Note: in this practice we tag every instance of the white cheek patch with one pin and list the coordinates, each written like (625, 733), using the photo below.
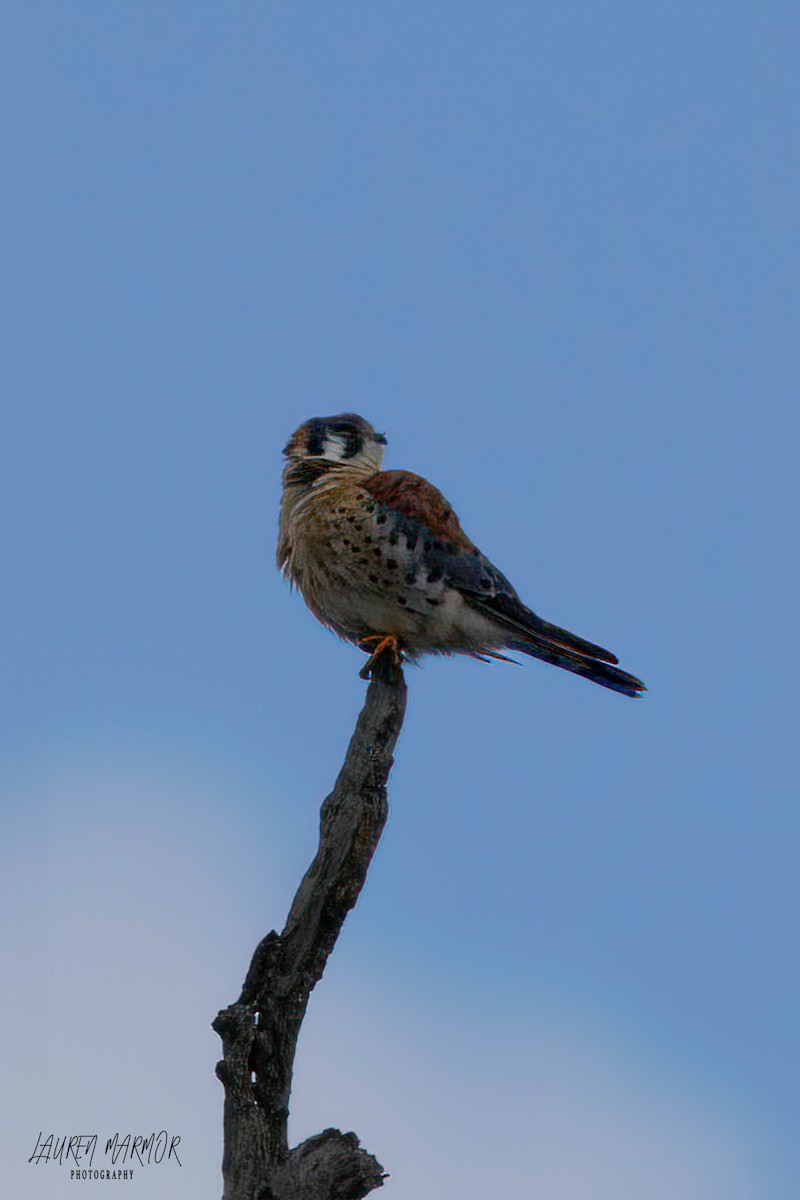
(333, 447)
(337, 448)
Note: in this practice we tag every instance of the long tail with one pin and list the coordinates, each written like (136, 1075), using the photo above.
(529, 634)
(599, 671)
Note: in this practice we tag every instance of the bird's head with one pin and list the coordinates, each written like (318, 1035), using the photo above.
(327, 443)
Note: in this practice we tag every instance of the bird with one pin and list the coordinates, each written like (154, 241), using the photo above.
(381, 559)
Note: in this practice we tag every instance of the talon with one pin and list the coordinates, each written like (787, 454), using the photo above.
(383, 643)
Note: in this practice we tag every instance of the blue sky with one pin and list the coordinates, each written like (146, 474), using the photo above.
(552, 251)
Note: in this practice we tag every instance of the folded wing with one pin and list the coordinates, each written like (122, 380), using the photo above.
(439, 552)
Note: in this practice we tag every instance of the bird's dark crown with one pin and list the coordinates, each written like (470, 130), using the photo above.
(346, 439)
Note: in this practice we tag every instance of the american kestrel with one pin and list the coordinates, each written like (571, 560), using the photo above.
(381, 559)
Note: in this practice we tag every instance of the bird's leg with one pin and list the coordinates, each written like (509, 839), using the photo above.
(383, 643)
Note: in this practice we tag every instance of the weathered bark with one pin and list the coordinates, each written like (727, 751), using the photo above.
(259, 1032)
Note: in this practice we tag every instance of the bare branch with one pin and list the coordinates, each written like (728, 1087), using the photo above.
(259, 1032)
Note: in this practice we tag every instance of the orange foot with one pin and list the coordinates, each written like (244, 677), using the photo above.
(383, 643)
